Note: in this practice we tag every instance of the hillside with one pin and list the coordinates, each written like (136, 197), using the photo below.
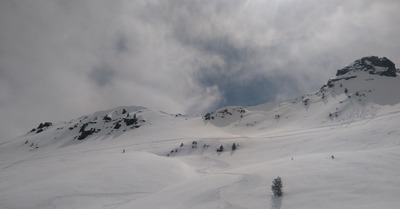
(359, 91)
(338, 147)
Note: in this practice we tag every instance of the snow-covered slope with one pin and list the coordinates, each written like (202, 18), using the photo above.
(359, 91)
(335, 148)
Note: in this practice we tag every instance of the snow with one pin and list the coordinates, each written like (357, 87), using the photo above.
(64, 172)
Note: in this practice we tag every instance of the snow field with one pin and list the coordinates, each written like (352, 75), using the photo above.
(96, 174)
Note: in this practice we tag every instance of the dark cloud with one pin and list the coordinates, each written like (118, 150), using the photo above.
(121, 44)
(102, 75)
(229, 57)
(61, 59)
(256, 91)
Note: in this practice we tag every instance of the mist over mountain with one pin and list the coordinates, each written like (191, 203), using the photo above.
(60, 60)
(337, 147)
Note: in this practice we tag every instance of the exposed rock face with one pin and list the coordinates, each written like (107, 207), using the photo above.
(41, 127)
(225, 113)
(99, 123)
(373, 64)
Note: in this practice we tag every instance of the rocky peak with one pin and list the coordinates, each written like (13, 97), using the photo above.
(373, 64)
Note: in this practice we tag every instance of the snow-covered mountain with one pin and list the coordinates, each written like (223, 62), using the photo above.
(360, 91)
(338, 147)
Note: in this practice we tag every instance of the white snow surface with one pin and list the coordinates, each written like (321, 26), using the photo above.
(295, 140)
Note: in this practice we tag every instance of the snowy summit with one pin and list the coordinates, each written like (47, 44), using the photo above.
(334, 148)
(373, 65)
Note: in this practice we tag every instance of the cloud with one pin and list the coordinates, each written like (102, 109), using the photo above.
(62, 59)
(121, 44)
(102, 75)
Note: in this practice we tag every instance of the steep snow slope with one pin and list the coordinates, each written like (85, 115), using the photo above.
(332, 150)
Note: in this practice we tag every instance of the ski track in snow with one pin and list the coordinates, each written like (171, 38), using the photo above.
(243, 182)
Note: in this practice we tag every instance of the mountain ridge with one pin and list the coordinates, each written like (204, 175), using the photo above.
(353, 94)
(373, 65)
(357, 92)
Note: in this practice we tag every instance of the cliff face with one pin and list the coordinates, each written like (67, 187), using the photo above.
(373, 64)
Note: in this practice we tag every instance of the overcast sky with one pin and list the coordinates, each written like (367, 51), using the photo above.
(60, 59)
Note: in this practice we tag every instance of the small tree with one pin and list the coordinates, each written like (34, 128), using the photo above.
(221, 149)
(277, 187)
(233, 147)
